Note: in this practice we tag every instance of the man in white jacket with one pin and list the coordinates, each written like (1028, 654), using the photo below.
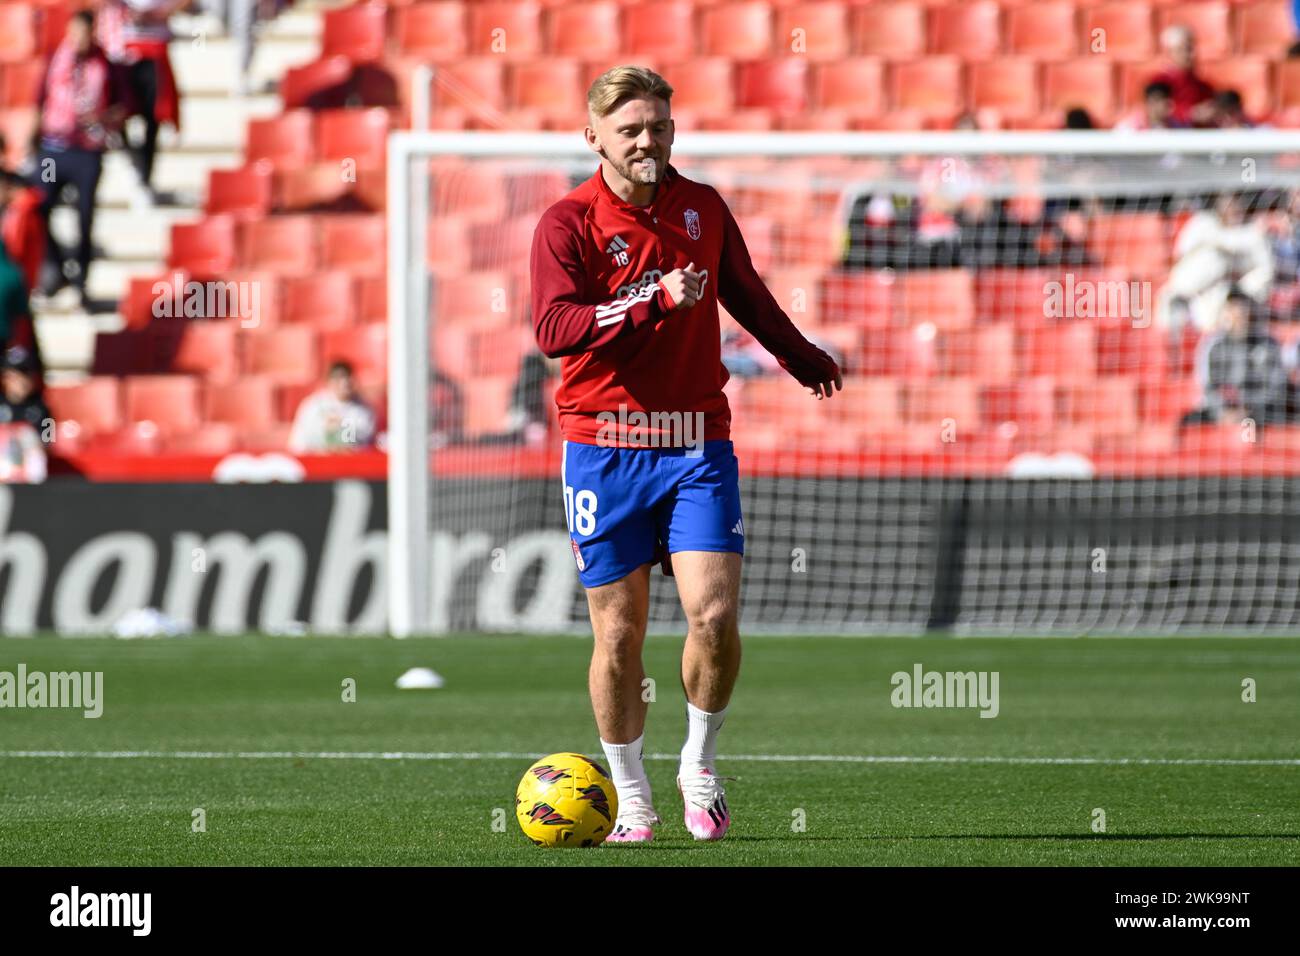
(1217, 249)
(333, 418)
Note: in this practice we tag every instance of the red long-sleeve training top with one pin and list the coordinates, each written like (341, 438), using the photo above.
(597, 300)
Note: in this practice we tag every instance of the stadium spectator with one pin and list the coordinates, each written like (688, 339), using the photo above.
(25, 420)
(154, 95)
(22, 227)
(240, 18)
(1156, 111)
(333, 418)
(77, 103)
(1241, 369)
(1216, 249)
(1078, 118)
(1229, 112)
(16, 327)
(1191, 94)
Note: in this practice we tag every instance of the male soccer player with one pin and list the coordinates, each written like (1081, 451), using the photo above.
(627, 273)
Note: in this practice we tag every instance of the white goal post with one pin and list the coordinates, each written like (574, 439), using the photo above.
(1137, 169)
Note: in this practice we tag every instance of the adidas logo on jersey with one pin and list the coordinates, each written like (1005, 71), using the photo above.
(739, 528)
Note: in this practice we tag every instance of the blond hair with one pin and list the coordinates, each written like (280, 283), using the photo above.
(614, 87)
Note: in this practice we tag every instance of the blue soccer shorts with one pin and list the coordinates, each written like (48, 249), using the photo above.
(631, 506)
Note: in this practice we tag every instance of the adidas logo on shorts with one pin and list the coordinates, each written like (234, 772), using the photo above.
(739, 527)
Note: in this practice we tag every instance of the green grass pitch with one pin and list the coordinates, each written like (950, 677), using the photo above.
(1214, 779)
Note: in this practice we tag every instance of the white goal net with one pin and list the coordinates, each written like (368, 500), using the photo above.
(1069, 403)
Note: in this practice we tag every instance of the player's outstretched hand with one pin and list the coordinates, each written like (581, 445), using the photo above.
(824, 389)
(684, 286)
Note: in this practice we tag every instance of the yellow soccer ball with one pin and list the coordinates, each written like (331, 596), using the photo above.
(566, 800)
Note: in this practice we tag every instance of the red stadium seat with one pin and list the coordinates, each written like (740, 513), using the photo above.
(1123, 349)
(143, 293)
(470, 298)
(552, 86)
(942, 297)
(1209, 21)
(505, 29)
(301, 83)
(987, 353)
(1012, 295)
(171, 402)
(1288, 84)
(356, 32)
(931, 87)
(248, 402)
(285, 245)
(1066, 351)
(970, 30)
(741, 30)
(779, 85)
(365, 347)
(1137, 241)
(1029, 402)
(203, 348)
(664, 31)
(325, 300)
(705, 85)
(95, 405)
(586, 30)
(242, 193)
(824, 30)
(1107, 405)
(858, 298)
(476, 84)
(930, 403)
(1009, 85)
(312, 187)
(892, 31)
(501, 245)
(1047, 30)
(1265, 28)
(488, 413)
(1086, 83)
(855, 85)
(17, 33)
(288, 355)
(215, 439)
(204, 247)
(285, 141)
(1120, 31)
(20, 83)
(357, 135)
(1168, 400)
(1250, 76)
(353, 243)
(433, 32)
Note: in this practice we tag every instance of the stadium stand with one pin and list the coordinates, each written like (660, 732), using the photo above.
(280, 210)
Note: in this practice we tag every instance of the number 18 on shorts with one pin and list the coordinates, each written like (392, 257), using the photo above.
(625, 506)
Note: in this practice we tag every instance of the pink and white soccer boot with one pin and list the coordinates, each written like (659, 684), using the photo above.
(635, 818)
(707, 816)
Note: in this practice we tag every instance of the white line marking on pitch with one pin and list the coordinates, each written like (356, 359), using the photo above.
(754, 758)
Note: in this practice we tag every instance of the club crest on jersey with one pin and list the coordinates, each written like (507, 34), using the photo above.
(692, 223)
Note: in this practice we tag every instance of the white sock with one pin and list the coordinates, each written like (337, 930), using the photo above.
(701, 747)
(627, 770)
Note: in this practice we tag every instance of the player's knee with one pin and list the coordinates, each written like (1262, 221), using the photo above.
(620, 642)
(714, 621)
